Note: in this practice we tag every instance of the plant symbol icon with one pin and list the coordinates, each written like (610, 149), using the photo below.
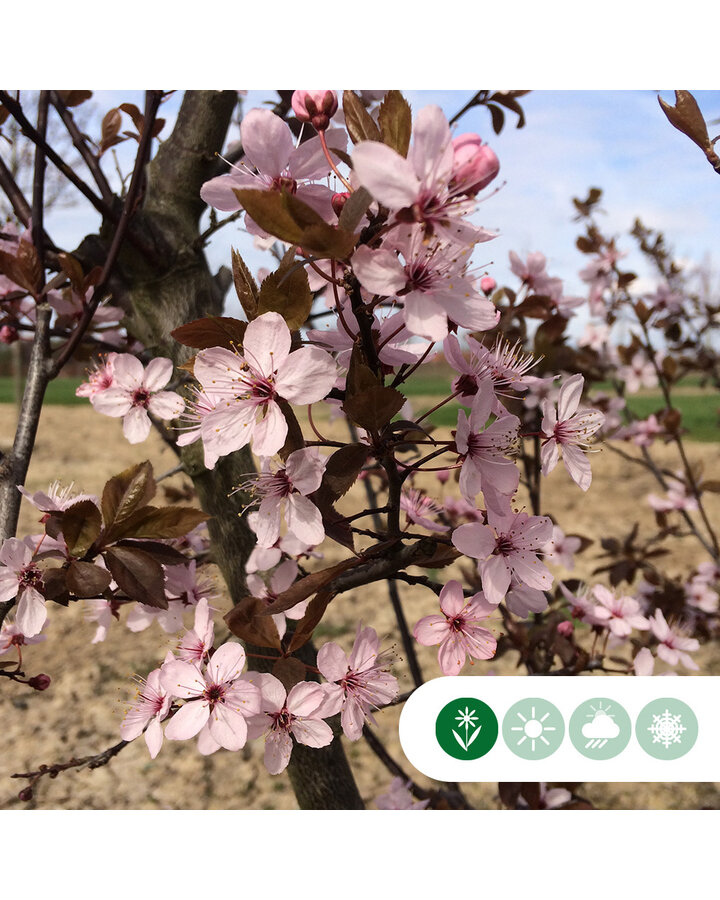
(466, 728)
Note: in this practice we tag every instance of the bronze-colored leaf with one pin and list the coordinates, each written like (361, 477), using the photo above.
(138, 575)
(294, 440)
(358, 121)
(74, 98)
(287, 292)
(368, 403)
(138, 119)
(213, 331)
(163, 553)
(288, 218)
(110, 129)
(85, 579)
(343, 468)
(23, 267)
(81, 525)
(127, 492)
(160, 523)
(395, 118)
(246, 621)
(355, 208)
(245, 286)
(74, 271)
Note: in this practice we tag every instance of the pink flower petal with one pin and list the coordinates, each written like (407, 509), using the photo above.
(267, 141)
(389, 177)
(136, 425)
(312, 732)
(304, 520)
(332, 661)
(278, 748)
(266, 345)
(306, 376)
(188, 720)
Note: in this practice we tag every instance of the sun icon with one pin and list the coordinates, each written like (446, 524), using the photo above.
(533, 728)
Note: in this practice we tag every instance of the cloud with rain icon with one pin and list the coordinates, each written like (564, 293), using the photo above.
(600, 730)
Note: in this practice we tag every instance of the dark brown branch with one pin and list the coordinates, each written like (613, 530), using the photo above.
(81, 146)
(152, 105)
(92, 762)
(20, 206)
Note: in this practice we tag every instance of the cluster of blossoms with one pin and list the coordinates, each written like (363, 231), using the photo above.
(224, 706)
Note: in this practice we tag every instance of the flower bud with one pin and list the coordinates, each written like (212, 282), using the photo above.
(8, 334)
(487, 285)
(338, 202)
(40, 682)
(474, 164)
(25, 794)
(565, 628)
(443, 476)
(316, 107)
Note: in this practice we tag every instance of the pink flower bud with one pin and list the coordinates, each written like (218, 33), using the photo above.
(8, 334)
(443, 476)
(487, 285)
(316, 107)
(565, 628)
(25, 794)
(338, 202)
(40, 682)
(475, 164)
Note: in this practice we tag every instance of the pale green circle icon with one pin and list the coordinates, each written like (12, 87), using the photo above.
(666, 728)
(600, 728)
(533, 728)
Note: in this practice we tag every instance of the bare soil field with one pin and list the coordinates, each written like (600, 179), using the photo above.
(81, 712)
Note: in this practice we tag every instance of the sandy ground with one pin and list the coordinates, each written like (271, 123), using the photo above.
(80, 714)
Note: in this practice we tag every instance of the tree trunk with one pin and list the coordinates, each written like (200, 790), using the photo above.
(180, 288)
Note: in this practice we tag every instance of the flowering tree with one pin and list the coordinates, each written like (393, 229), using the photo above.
(369, 214)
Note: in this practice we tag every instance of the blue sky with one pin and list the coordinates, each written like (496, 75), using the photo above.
(617, 140)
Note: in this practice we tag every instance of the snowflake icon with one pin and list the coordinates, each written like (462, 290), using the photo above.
(667, 729)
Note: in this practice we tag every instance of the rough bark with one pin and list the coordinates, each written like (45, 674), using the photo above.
(178, 287)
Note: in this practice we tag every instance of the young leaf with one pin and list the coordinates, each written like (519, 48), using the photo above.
(395, 120)
(287, 291)
(309, 622)
(81, 525)
(138, 575)
(127, 492)
(246, 621)
(369, 404)
(284, 216)
(245, 286)
(85, 579)
(160, 523)
(358, 121)
(213, 331)
(343, 468)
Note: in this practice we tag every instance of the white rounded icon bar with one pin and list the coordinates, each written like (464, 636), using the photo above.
(699, 762)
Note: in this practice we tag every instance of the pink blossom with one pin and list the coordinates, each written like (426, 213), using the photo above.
(457, 630)
(100, 377)
(487, 285)
(8, 334)
(250, 383)
(20, 577)
(284, 494)
(625, 612)
(561, 549)
(565, 628)
(151, 706)
(475, 165)
(431, 279)
(639, 373)
(269, 148)
(674, 644)
(643, 432)
(103, 612)
(186, 583)
(504, 366)
(521, 600)
(11, 635)
(418, 507)
(220, 699)
(316, 107)
(676, 497)
(197, 643)
(363, 678)
(570, 430)
(419, 188)
(298, 714)
(137, 391)
(485, 449)
(595, 336)
(507, 546)
(644, 662)
(533, 274)
(399, 797)
(584, 608)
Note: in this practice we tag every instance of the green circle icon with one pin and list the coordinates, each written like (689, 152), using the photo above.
(666, 728)
(533, 728)
(466, 728)
(600, 728)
